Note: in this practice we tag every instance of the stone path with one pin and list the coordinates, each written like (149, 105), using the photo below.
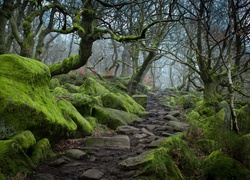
(118, 155)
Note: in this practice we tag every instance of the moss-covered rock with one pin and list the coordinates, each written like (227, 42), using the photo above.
(113, 118)
(122, 102)
(92, 87)
(54, 82)
(243, 115)
(26, 101)
(158, 165)
(25, 139)
(13, 159)
(41, 151)
(82, 102)
(141, 99)
(188, 100)
(220, 166)
(70, 113)
(72, 88)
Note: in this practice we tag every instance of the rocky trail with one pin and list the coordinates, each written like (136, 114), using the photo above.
(115, 155)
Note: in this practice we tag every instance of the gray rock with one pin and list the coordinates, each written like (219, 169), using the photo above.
(75, 153)
(91, 174)
(60, 161)
(171, 118)
(174, 113)
(150, 127)
(178, 126)
(113, 142)
(127, 129)
(147, 132)
(44, 177)
(156, 143)
(135, 162)
(140, 136)
(166, 134)
(162, 128)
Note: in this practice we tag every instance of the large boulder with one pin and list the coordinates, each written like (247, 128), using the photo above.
(220, 166)
(114, 118)
(26, 102)
(122, 102)
(92, 87)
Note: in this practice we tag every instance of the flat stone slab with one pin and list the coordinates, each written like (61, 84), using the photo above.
(75, 153)
(113, 142)
(128, 129)
(91, 174)
(179, 126)
(171, 118)
(135, 162)
(174, 113)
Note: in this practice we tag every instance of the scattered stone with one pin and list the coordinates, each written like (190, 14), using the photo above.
(174, 113)
(166, 134)
(135, 162)
(128, 129)
(140, 136)
(170, 118)
(150, 127)
(179, 126)
(156, 143)
(44, 177)
(147, 132)
(162, 128)
(58, 162)
(75, 153)
(113, 142)
(91, 174)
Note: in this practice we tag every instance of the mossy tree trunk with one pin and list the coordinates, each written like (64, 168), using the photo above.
(136, 78)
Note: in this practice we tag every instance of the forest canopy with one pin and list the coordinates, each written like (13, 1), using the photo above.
(198, 44)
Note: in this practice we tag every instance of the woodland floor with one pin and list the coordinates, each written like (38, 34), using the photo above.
(102, 162)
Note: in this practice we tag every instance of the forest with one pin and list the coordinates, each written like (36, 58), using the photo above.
(67, 65)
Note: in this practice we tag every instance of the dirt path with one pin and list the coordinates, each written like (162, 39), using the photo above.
(102, 160)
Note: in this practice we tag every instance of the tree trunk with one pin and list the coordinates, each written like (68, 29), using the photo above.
(136, 78)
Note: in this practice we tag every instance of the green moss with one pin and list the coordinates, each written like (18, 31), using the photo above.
(26, 102)
(122, 102)
(141, 99)
(25, 139)
(188, 101)
(42, 151)
(72, 88)
(82, 102)
(2, 177)
(70, 113)
(113, 118)
(212, 125)
(243, 115)
(54, 82)
(159, 166)
(182, 155)
(220, 166)
(12, 158)
(92, 87)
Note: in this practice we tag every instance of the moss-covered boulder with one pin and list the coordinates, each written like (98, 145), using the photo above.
(13, 159)
(92, 87)
(141, 99)
(220, 166)
(82, 102)
(53, 83)
(114, 118)
(25, 139)
(41, 151)
(26, 101)
(122, 102)
(204, 116)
